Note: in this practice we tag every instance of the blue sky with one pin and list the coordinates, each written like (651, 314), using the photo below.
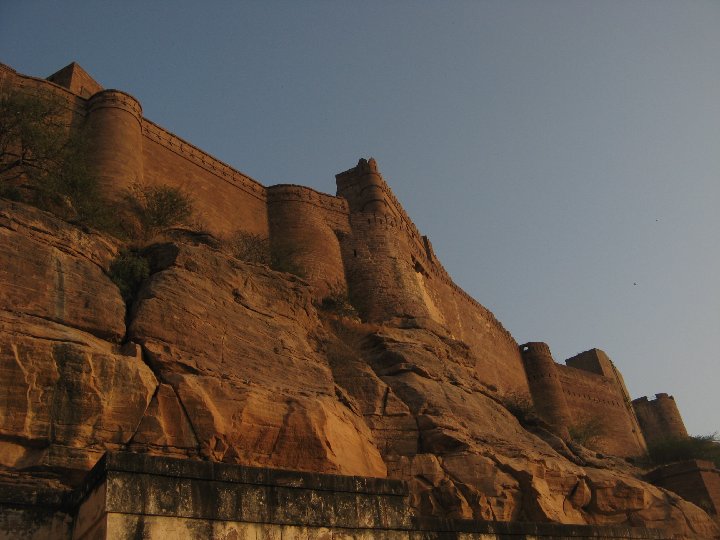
(562, 156)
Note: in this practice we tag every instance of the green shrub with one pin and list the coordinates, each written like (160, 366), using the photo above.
(674, 449)
(250, 247)
(128, 271)
(43, 160)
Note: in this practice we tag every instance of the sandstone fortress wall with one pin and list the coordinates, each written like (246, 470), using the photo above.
(361, 243)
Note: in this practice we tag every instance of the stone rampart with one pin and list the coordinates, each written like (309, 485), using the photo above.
(360, 242)
(225, 199)
(545, 386)
(599, 411)
(363, 234)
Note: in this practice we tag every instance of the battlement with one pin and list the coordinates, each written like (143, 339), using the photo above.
(587, 391)
(116, 99)
(188, 151)
(293, 192)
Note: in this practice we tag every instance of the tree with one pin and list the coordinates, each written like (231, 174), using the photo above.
(158, 208)
(43, 158)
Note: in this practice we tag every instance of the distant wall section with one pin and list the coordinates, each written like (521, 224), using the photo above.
(586, 397)
(659, 418)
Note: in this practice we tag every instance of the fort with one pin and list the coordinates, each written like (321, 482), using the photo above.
(361, 244)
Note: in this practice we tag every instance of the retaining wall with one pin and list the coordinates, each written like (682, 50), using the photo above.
(128, 496)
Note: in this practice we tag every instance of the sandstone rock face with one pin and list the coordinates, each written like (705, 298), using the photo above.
(65, 393)
(466, 456)
(240, 346)
(229, 361)
(54, 271)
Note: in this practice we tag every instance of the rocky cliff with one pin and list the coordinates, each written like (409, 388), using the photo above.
(222, 360)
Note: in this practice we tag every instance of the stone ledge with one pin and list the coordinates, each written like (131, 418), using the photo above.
(515, 529)
(224, 472)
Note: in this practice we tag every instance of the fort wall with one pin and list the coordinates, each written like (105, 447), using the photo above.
(596, 404)
(614, 407)
(659, 418)
(225, 199)
(114, 122)
(360, 242)
(545, 386)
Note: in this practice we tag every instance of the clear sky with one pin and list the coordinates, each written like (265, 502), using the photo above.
(562, 156)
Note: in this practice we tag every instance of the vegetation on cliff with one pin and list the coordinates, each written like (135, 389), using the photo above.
(44, 162)
(675, 449)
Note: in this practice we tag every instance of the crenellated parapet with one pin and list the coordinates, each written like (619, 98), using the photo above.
(188, 151)
(116, 99)
(280, 193)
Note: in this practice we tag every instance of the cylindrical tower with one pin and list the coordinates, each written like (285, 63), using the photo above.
(302, 238)
(545, 386)
(382, 268)
(659, 419)
(114, 122)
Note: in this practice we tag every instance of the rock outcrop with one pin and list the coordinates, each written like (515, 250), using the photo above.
(229, 361)
(69, 388)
